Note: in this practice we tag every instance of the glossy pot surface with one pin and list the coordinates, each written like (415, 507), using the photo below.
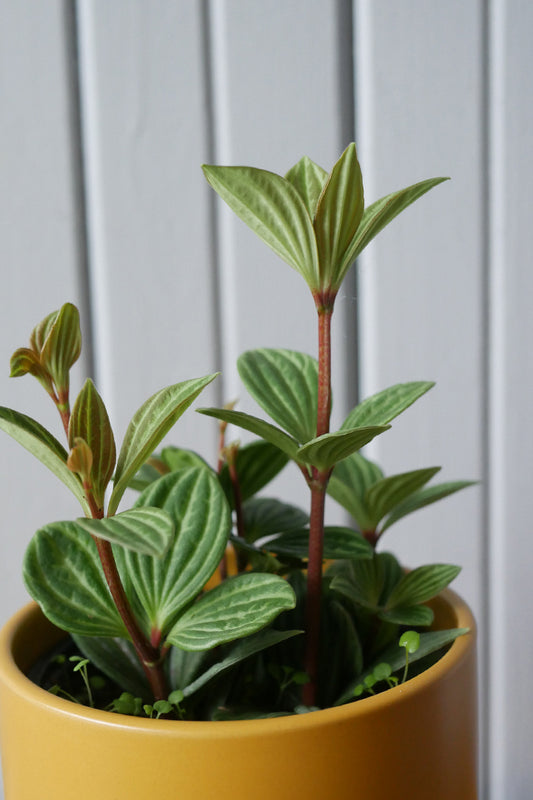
(417, 740)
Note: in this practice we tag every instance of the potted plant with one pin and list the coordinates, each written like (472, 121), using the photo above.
(247, 646)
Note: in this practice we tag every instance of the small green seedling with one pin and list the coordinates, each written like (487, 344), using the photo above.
(411, 641)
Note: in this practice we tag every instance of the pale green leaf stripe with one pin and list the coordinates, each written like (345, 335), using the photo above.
(383, 211)
(148, 426)
(383, 496)
(337, 219)
(348, 483)
(236, 608)
(274, 210)
(308, 179)
(424, 497)
(383, 407)
(327, 450)
(62, 572)
(143, 530)
(430, 642)
(62, 346)
(197, 505)
(40, 443)
(241, 651)
(421, 584)
(265, 430)
(285, 384)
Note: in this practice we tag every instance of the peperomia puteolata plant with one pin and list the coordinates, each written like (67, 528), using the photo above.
(145, 593)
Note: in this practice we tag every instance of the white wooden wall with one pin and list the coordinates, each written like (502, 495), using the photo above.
(108, 109)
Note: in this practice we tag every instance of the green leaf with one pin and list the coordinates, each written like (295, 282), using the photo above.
(196, 503)
(348, 485)
(383, 211)
(143, 530)
(117, 659)
(339, 542)
(424, 497)
(421, 584)
(62, 346)
(308, 179)
(89, 421)
(338, 214)
(176, 458)
(235, 608)
(285, 384)
(408, 615)
(274, 210)
(40, 443)
(25, 361)
(62, 572)
(265, 430)
(256, 463)
(387, 493)
(383, 407)
(327, 450)
(363, 584)
(149, 425)
(265, 516)
(238, 653)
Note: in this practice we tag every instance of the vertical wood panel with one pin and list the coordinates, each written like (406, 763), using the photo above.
(41, 263)
(511, 431)
(280, 93)
(146, 135)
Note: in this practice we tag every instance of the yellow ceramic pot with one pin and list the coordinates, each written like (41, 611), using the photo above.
(417, 740)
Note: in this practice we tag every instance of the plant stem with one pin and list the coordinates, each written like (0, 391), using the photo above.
(324, 304)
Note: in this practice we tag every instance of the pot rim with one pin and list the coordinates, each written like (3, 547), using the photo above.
(13, 677)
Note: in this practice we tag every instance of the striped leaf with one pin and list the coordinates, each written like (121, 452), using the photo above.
(274, 210)
(143, 530)
(265, 516)
(40, 443)
(383, 407)
(338, 214)
(339, 542)
(149, 425)
(233, 609)
(308, 179)
(421, 585)
(348, 485)
(412, 616)
(383, 211)
(285, 384)
(327, 450)
(62, 572)
(424, 497)
(62, 346)
(89, 421)
(265, 430)
(195, 502)
(387, 493)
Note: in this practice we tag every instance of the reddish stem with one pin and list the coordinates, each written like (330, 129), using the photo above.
(324, 304)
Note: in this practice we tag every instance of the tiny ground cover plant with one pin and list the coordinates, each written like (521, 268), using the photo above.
(208, 599)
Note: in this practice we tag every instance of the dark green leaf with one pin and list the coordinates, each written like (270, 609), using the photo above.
(337, 218)
(308, 179)
(408, 615)
(143, 530)
(62, 572)
(149, 425)
(421, 584)
(383, 407)
(256, 464)
(235, 608)
(274, 210)
(40, 443)
(348, 485)
(117, 659)
(285, 384)
(387, 493)
(339, 542)
(265, 516)
(424, 497)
